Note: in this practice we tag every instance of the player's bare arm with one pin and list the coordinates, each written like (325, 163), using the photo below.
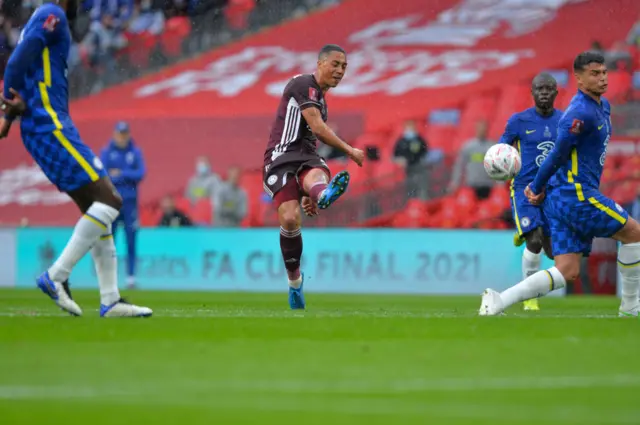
(314, 119)
(533, 198)
(15, 106)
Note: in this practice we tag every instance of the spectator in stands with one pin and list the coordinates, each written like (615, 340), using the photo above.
(204, 183)
(329, 152)
(410, 152)
(596, 46)
(469, 167)
(148, 17)
(633, 38)
(618, 57)
(10, 17)
(109, 20)
(230, 201)
(171, 216)
(125, 164)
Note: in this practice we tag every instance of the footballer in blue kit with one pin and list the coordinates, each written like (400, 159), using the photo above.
(36, 90)
(576, 210)
(533, 133)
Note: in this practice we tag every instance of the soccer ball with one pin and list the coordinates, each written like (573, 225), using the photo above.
(502, 162)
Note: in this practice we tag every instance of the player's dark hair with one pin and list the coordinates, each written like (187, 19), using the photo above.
(585, 58)
(544, 76)
(328, 48)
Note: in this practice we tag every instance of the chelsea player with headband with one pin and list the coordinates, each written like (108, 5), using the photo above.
(576, 210)
(36, 89)
(533, 133)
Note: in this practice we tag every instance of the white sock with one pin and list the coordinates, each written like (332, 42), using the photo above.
(106, 262)
(530, 263)
(536, 285)
(295, 284)
(87, 231)
(629, 267)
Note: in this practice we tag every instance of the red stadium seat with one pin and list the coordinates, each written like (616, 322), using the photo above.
(183, 204)
(139, 49)
(478, 108)
(150, 216)
(619, 86)
(441, 137)
(465, 200)
(202, 212)
(175, 32)
(237, 12)
(513, 98)
(413, 216)
(251, 182)
(499, 199)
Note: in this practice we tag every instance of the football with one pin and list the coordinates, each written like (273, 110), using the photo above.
(502, 162)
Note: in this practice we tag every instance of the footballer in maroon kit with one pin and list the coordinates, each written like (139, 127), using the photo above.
(294, 174)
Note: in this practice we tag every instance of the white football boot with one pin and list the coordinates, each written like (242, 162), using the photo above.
(57, 293)
(491, 304)
(122, 308)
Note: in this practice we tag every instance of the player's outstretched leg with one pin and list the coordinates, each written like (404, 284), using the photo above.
(537, 285)
(291, 247)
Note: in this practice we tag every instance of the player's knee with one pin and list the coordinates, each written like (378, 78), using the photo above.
(535, 241)
(290, 217)
(570, 270)
(534, 245)
(630, 233)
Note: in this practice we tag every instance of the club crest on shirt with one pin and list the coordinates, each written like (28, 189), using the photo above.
(50, 23)
(313, 94)
(576, 126)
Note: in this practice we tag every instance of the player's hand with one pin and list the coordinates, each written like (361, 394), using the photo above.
(5, 126)
(357, 156)
(533, 198)
(15, 106)
(309, 207)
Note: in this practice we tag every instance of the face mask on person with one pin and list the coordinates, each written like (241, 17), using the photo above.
(410, 134)
(202, 168)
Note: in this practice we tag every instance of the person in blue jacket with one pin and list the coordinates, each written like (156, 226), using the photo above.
(125, 164)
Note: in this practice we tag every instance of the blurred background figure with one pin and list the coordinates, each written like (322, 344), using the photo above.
(469, 167)
(204, 183)
(171, 216)
(411, 152)
(125, 164)
(230, 201)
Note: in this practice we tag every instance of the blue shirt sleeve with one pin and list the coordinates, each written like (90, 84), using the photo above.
(136, 174)
(43, 28)
(572, 126)
(510, 134)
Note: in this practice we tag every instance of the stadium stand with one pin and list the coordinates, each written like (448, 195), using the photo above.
(202, 102)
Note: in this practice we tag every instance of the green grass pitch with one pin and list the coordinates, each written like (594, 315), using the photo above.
(229, 358)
